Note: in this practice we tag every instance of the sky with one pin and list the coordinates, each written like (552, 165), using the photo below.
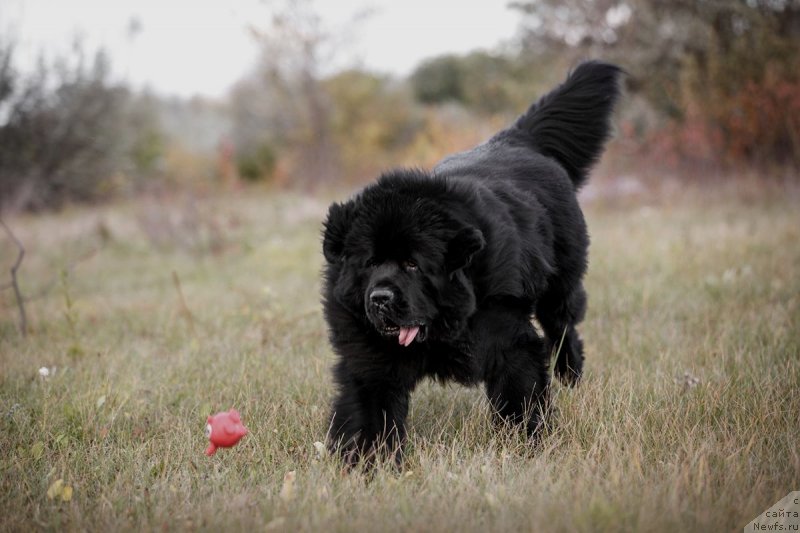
(201, 47)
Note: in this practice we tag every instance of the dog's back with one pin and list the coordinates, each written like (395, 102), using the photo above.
(569, 125)
(533, 169)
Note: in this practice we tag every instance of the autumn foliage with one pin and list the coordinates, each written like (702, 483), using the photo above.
(710, 86)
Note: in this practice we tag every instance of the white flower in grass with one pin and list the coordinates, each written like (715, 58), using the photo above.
(320, 449)
(47, 373)
(688, 381)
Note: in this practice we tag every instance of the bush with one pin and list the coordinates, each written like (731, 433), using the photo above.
(69, 134)
(259, 164)
(723, 77)
(439, 80)
(372, 120)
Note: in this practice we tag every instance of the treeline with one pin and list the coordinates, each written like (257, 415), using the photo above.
(68, 134)
(711, 83)
(717, 82)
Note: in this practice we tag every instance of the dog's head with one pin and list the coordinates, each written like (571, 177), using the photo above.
(397, 256)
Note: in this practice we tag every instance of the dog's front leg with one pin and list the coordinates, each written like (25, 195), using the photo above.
(514, 364)
(367, 420)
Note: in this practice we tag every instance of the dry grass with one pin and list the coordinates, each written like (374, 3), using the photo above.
(688, 418)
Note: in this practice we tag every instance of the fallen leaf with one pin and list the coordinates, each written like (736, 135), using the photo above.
(287, 491)
(66, 493)
(101, 401)
(275, 523)
(37, 450)
(55, 489)
(491, 499)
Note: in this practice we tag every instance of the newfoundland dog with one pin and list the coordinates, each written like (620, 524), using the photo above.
(439, 273)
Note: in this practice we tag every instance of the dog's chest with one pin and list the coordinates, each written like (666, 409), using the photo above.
(447, 362)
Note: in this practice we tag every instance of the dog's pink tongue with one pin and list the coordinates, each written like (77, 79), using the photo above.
(407, 335)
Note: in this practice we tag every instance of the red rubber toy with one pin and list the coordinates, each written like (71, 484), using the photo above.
(224, 430)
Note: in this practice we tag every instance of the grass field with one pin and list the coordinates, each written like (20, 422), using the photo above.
(155, 314)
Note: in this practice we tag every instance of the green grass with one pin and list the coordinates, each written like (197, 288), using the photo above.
(708, 289)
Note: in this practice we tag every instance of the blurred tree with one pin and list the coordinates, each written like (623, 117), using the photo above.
(258, 163)
(67, 133)
(488, 83)
(259, 123)
(702, 64)
(283, 106)
(7, 74)
(439, 80)
(59, 143)
(143, 137)
(373, 118)
(742, 83)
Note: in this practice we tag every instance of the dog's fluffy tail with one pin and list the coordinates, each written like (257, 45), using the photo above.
(572, 122)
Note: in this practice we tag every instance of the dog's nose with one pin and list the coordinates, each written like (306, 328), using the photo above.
(381, 297)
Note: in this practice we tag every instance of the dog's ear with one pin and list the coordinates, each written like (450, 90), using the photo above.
(466, 243)
(337, 225)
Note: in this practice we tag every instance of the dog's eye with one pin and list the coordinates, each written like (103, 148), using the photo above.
(409, 266)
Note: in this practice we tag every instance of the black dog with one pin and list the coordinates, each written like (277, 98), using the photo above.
(439, 274)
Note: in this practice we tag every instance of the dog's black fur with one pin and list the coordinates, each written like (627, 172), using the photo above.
(439, 273)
